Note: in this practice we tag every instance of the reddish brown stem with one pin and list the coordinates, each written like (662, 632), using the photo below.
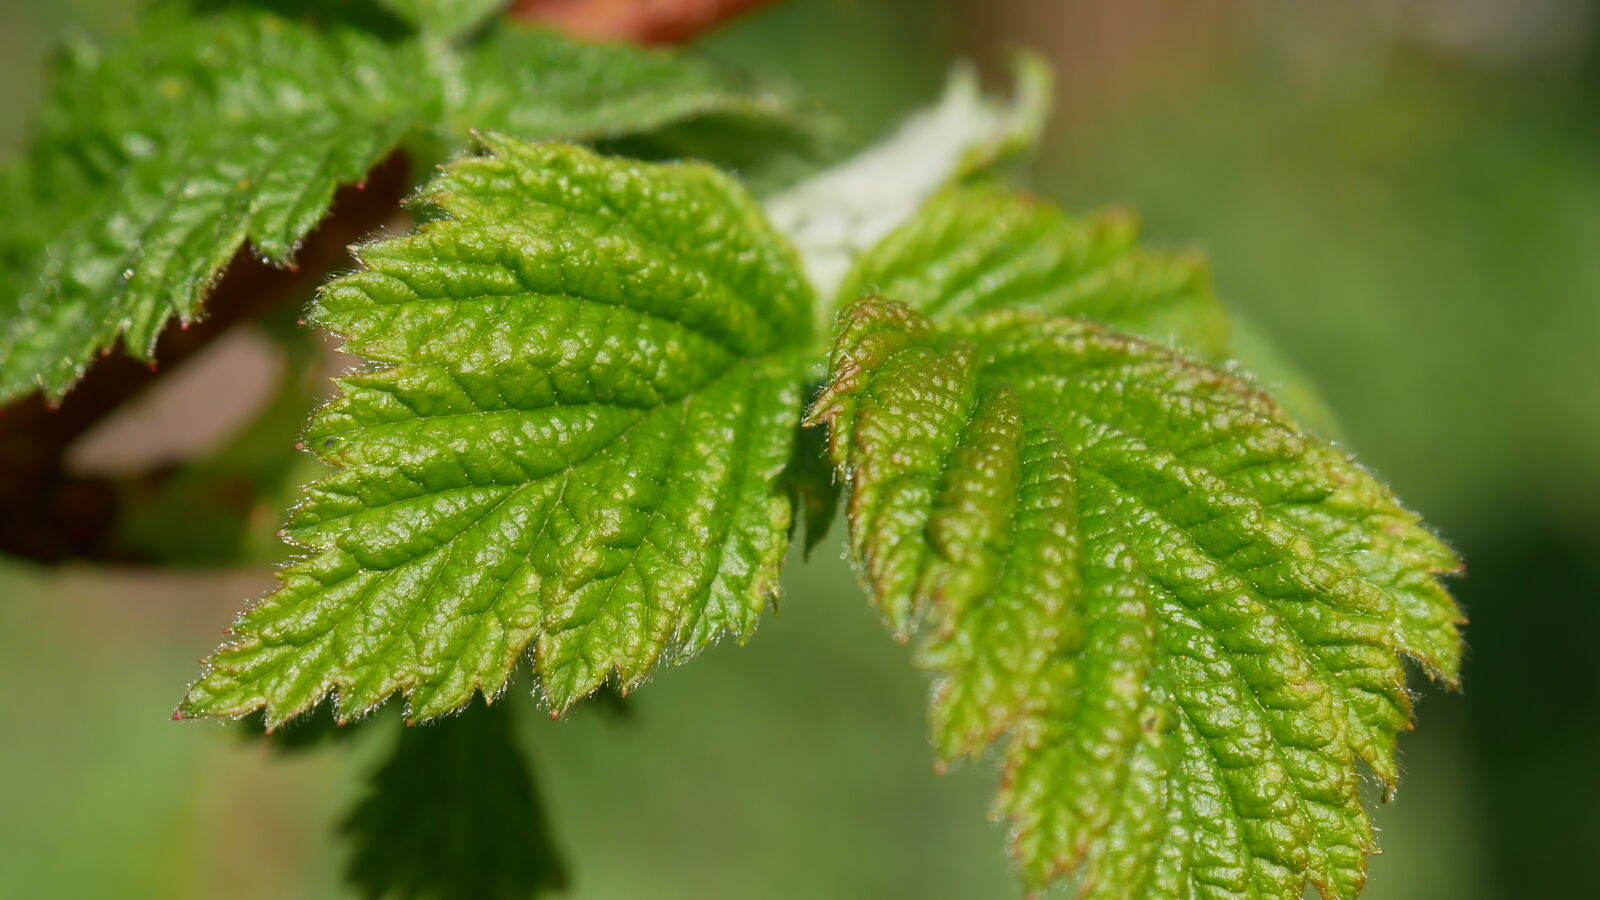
(640, 21)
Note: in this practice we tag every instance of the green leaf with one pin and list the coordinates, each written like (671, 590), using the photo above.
(453, 814)
(574, 438)
(444, 18)
(160, 157)
(536, 84)
(1259, 355)
(981, 247)
(163, 156)
(839, 213)
(767, 154)
(1183, 615)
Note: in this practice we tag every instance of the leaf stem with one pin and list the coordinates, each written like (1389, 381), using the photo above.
(639, 21)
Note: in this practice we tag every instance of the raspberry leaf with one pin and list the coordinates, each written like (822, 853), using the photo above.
(537, 84)
(984, 246)
(839, 213)
(573, 439)
(980, 246)
(1181, 615)
(161, 157)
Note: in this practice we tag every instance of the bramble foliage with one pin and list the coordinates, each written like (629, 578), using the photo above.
(162, 156)
(1176, 612)
(585, 396)
(1185, 613)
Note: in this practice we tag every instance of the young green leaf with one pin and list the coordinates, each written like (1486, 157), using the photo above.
(839, 213)
(979, 247)
(161, 157)
(982, 246)
(585, 393)
(1184, 614)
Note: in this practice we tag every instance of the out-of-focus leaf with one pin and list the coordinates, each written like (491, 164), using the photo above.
(453, 814)
(208, 130)
(839, 213)
(444, 18)
(1261, 357)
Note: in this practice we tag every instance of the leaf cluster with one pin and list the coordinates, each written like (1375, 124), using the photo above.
(597, 396)
(210, 130)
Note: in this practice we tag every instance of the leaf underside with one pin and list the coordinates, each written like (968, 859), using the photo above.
(573, 440)
(1181, 615)
(160, 158)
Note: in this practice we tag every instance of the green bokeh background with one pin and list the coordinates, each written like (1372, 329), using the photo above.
(1405, 194)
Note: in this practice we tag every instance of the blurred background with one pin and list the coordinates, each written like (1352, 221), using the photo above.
(1404, 193)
